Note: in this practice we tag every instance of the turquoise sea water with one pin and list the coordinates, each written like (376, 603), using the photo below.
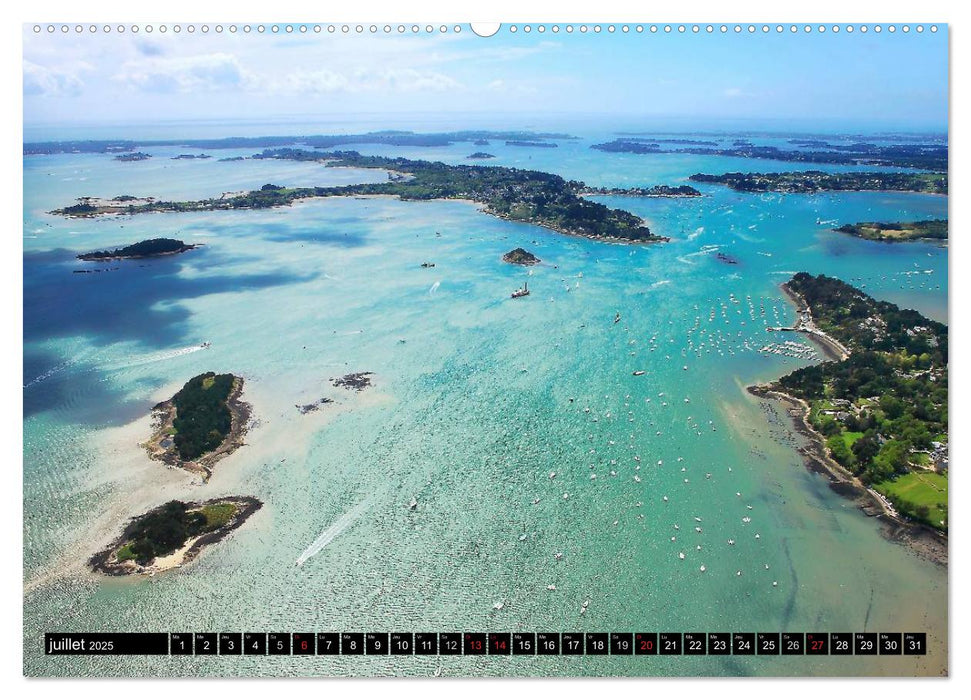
(478, 398)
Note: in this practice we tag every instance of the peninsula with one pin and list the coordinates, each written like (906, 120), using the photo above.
(932, 229)
(527, 196)
(202, 423)
(172, 535)
(811, 181)
(879, 414)
(152, 248)
(655, 191)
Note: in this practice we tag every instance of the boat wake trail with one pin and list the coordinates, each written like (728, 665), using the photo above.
(335, 529)
(434, 288)
(154, 357)
(57, 369)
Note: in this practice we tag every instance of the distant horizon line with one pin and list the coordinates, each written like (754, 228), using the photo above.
(616, 128)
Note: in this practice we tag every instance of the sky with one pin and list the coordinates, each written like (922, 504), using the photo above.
(886, 81)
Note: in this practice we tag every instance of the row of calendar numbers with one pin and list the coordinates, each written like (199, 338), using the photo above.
(550, 643)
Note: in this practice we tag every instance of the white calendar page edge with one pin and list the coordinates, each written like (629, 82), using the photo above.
(708, 11)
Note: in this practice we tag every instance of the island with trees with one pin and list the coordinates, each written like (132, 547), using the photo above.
(628, 146)
(527, 196)
(480, 155)
(202, 423)
(929, 230)
(152, 248)
(172, 535)
(880, 413)
(133, 157)
(635, 136)
(812, 181)
(923, 156)
(532, 143)
(520, 256)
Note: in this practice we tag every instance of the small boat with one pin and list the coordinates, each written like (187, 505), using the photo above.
(414, 503)
(638, 373)
(521, 292)
(617, 318)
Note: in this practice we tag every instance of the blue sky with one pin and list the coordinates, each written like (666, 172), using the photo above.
(885, 80)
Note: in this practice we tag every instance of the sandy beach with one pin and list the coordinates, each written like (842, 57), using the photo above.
(833, 349)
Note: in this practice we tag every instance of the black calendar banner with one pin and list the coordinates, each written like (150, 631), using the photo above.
(485, 643)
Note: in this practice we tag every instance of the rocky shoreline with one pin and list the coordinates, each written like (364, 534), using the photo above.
(922, 540)
(163, 415)
(106, 561)
(355, 381)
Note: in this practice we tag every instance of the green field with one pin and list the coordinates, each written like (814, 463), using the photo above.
(913, 492)
(849, 437)
(218, 514)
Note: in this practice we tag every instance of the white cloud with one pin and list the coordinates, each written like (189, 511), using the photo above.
(207, 72)
(407, 80)
(361, 80)
(320, 81)
(52, 80)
